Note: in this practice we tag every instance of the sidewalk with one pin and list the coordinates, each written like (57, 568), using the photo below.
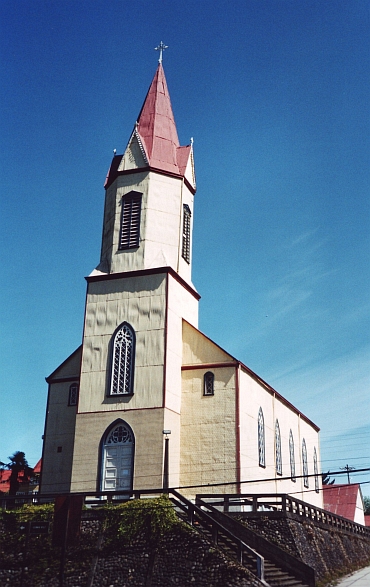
(358, 579)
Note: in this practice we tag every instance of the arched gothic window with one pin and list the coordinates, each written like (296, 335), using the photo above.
(315, 470)
(279, 466)
(209, 380)
(117, 457)
(304, 464)
(291, 456)
(261, 440)
(123, 359)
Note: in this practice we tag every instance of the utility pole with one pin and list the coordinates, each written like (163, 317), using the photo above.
(348, 469)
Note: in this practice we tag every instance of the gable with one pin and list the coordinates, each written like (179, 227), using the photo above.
(70, 368)
(134, 156)
(343, 500)
(198, 349)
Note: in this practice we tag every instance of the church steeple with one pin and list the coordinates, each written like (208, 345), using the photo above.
(156, 126)
(150, 189)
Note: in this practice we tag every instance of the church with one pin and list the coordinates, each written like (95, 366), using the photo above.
(148, 400)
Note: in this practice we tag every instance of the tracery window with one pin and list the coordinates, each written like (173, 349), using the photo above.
(278, 462)
(315, 470)
(186, 221)
(261, 440)
(123, 358)
(209, 380)
(304, 464)
(291, 456)
(73, 394)
(120, 435)
(130, 221)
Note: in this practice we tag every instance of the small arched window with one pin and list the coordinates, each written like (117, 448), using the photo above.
(209, 380)
(278, 462)
(73, 394)
(304, 464)
(291, 456)
(123, 358)
(261, 439)
(315, 470)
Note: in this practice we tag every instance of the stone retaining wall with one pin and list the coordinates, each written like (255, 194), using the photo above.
(181, 557)
(330, 552)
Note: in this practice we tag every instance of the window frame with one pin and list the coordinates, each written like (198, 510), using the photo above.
(116, 357)
(292, 457)
(305, 464)
(73, 391)
(261, 440)
(278, 458)
(209, 383)
(186, 233)
(129, 234)
(316, 470)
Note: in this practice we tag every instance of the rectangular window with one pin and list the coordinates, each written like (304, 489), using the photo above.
(186, 233)
(130, 221)
(73, 395)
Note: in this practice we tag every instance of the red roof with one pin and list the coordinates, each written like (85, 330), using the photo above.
(5, 476)
(341, 499)
(37, 467)
(157, 133)
(367, 520)
(4, 480)
(156, 125)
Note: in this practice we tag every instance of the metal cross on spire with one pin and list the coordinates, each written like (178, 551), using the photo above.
(161, 47)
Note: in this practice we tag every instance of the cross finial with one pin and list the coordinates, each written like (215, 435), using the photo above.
(161, 47)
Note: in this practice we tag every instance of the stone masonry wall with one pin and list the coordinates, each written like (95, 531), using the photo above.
(181, 557)
(330, 552)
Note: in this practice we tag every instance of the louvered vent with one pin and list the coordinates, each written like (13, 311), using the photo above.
(186, 233)
(130, 221)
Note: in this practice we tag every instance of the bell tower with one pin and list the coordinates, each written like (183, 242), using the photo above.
(137, 298)
(149, 194)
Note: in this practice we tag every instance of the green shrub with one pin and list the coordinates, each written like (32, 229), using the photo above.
(152, 517)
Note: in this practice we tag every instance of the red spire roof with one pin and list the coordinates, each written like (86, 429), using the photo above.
(157, 129)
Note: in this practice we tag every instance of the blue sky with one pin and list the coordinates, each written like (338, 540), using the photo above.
(276, 96)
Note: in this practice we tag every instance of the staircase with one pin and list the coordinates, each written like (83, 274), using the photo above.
(272, 565)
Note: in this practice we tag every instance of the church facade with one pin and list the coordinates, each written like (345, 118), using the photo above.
(147, 398)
